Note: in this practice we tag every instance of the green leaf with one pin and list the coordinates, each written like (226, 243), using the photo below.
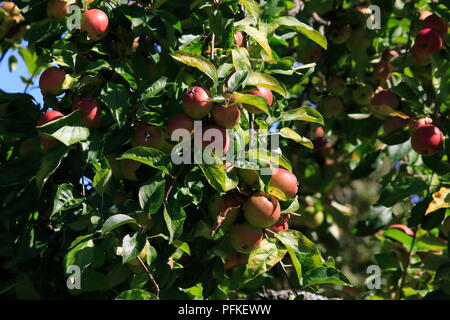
(324, 275)
(252, 7)
(50, 162)
(12, 63)
(197, 61)
(266, 81)
(258, 36)
(261, 259)
(65, 198)
(115, 222)
(400, 189)
(154, 89)
(241, 60)
(291, 134)
(82, 255)
(256, 101)
(304, 114)
(115, 97)
(218, 178)
(69, 129)
(101, 180)
(151, 194)
(174, 217)
(20, 170)
(148, 156)
(237, 79)
(136, 294)
(274, 157)
(292, 22)
(132, 245)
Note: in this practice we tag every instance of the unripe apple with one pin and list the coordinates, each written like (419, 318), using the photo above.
(239, 38)
(47, 117)
(262, 210)
(336, 85)
(245, 237)
(340, 34)
(214, 131)
(58, 9)
(386, 97)
(427, 140)
(92, 114)
(261, 92)
(428, 42)
(285, 181)
(415, 123)
(196, 103)
(281, 225)
(445, 227)
(235, 259)
(363, 94)
(180, 121)
(11, 8)
(143, 255)
(332, 106)
(403, 228)
(218, 204)
(310, 55)
(419, 56)
(313, 221)
(437, 24)
(249, 176)
(226, 116)
(148, 136)
(382, 71)
(394, 123)
(51, 81)
(96, 23)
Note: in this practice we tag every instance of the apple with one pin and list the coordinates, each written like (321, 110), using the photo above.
(218, 204)
(336, 85)
(394, 123)
(386, 97)
(382, 71)
(262, 210)
(314, 220)
(428, 42)
(427, 140)
(239, 38)
(359, 40)
(340, 34)
(416, 122)
(196, 103)
(245, 237)
(214, 131)
(234, 260)
(92, 114)
(419, 57)
(47, 117)
(226, 116)
(180, 121)
(437, 24)
(11, 8)
(403, 228)
(51, 81)
(332, 106)
(363, 94)
(58, 9)
(281, 225)
(390, 54)
(96, 23)
(284, 181)
(249, 176)
(148, 136)
(143, 255)
(261, 92)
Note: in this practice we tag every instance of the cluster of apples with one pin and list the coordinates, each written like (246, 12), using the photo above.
(430, 39)
(11, 20)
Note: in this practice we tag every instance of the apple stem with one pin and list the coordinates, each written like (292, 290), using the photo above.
(150, 277)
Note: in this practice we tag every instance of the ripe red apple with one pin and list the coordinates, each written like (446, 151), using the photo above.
(148, 136)
(239, 38)
(234, 259)
(180, 121)
(394, 123)
(92, 114)
(428, 42)
(261, 92)
(403, 228)
(244, 237)
(285, 181)
(262, 210)
(96, 23)
(437, 24)
(336, 85)
(390, 54)
(382, 71)
(363, 94)
(51, 81)
(281, 225)
(11, 8)
(249, 176)
(214, 131)
(415, 123)
(419, 57)
(427, 140)
(58, 9)
(386, 97)
(332, 106)
(340, 34)
(226, 116)
(47, 117)
(196, 103)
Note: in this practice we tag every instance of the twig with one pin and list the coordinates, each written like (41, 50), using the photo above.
(150, 277)
(169, 190)
(213, 40)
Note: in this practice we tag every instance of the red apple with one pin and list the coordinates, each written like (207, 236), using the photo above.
(390, 54)
(437, 24)
(214, 131)
(419, 57)
(416, 122)
(382, 71)
(427, 140)
(281, 225)
(11, 8)
(403, 228)
(226, 116)
(58, 9)
(239, 38)
(261, 92)
(148, 136)
(180, 121)
(244, 237)
(92, 114)
(196, 103)
(428, 42)
(47, 117)
(51, 81)
(262, 210)
(96, 23)
(386, 97)
(285, 181)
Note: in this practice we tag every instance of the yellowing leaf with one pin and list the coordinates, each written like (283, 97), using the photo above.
(266, 81)
(252, 7)
(291, 134)
(385, 110)
(197, 61)
(441, 200)
(259, 37)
